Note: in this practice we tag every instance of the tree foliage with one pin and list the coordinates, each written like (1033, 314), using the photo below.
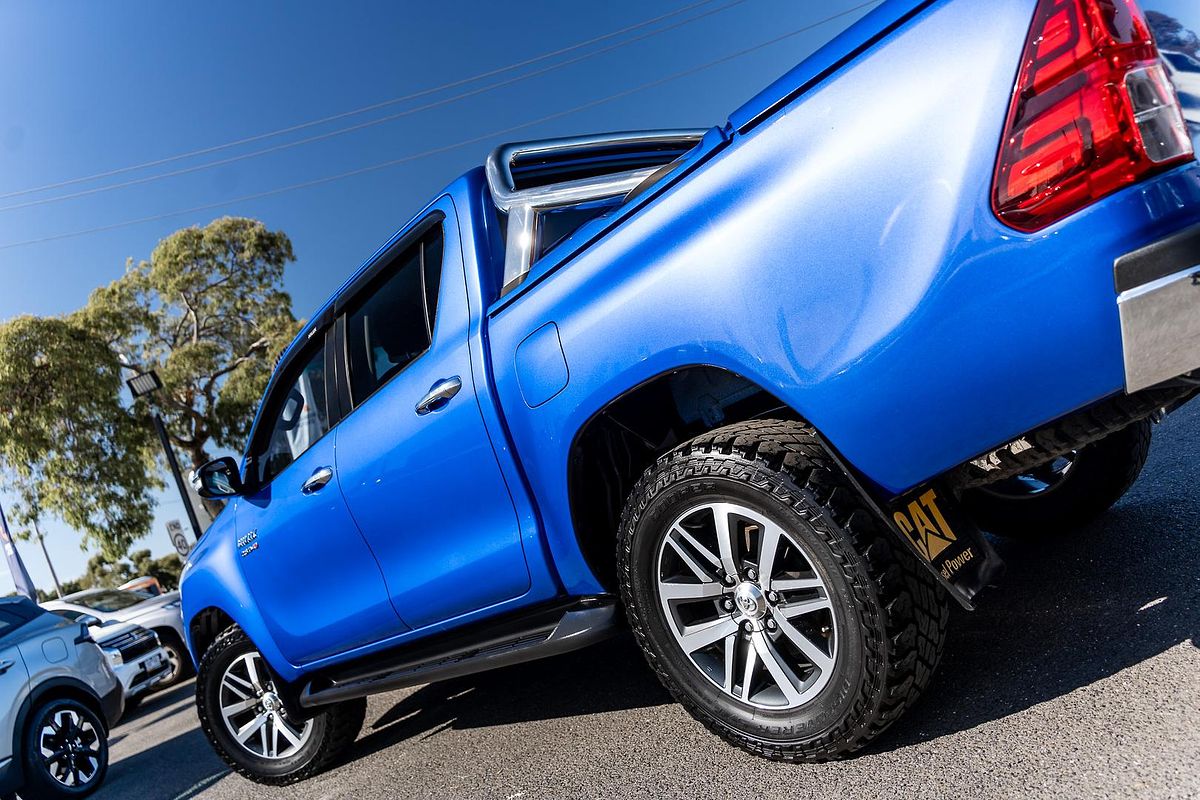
(209, 314)
(67, 444)
(1171, 35)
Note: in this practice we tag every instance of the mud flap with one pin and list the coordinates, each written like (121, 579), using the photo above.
(930, 520)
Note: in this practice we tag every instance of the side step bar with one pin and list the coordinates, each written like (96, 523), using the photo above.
(558, 629)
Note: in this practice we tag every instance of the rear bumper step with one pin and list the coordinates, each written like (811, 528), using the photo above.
(549, 633)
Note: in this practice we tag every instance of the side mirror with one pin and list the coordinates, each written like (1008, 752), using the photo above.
(218, 479)
(88, 620)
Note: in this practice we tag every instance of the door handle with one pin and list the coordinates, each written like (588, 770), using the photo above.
(6, 665)
(316, 482)
(439, 395)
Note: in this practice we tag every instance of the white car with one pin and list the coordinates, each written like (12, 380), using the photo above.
(136, 656)
(159, 614)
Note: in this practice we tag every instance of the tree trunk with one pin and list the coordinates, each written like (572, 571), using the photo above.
(53, 575)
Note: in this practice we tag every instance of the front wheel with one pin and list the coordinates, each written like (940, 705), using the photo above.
(1065, 493)
(177, 657)
(768, 598)
(242, 716)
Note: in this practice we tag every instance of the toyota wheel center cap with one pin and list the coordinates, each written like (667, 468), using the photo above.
(750, 600)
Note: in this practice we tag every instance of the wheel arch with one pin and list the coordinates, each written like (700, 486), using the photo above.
(204, 627)
(628, 433)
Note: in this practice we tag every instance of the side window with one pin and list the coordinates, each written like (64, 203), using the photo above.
(299, 417)
(10, 620)
(552, 225)
(393, 324)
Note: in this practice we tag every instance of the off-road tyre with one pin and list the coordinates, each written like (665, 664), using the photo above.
(893, 614)
(1099, 476)
(334, 730)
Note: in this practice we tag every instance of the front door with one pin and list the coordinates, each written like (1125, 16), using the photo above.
(317, 586)
(414, 460)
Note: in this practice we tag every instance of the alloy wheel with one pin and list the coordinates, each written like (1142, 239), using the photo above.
(69, 746)
(747, 606)
(254, 714)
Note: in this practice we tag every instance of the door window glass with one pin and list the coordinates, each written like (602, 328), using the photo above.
(392, 325)
(301, 417)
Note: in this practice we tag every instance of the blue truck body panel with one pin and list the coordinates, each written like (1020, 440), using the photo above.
(837, 247)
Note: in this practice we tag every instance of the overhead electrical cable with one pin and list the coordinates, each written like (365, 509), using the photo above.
(374, 106)
(444, 148)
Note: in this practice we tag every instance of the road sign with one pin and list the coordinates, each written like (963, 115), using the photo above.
(178, 538)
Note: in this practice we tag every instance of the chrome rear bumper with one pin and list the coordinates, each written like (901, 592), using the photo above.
(1159, 305)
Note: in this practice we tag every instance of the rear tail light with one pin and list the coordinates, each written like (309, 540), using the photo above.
(1093, 111)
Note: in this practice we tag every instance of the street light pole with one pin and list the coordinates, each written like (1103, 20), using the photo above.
(174, 465)
(148, 383)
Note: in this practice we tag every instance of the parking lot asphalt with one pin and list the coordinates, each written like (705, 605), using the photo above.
(1078, 677)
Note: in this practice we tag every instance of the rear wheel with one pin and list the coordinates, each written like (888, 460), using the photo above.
(65, 751)
(243, 717)
(1065, 493)
(769, 599)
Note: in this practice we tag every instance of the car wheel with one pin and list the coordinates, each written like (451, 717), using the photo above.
(65, 751)
(770, 600)
(177, 657)
(1065, 493)
(244, 720)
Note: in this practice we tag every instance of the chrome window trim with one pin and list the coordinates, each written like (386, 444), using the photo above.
(522, 206)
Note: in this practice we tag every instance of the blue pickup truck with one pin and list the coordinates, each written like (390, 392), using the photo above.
(753, 392)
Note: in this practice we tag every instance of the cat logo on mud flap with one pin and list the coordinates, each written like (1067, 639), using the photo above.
(924, 524)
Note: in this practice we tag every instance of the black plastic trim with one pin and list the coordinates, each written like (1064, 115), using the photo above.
(546, 630)
(1175, 253)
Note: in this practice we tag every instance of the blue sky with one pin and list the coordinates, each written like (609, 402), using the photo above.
(92, 87)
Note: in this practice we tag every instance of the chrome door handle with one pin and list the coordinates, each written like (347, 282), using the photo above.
(317, 481)
(439, 395)
(6, 665)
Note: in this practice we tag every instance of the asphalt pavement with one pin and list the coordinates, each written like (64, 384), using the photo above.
(1078, 677)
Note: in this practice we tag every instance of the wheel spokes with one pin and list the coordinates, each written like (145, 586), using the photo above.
(696, 637)
(798, 607)
(767, 551)
(684, 592)
(780, 672)
(815, 654)
(748, 672)
(795, 584)
(721, 513)
(746, 608)
(239, 707)
(252, 727)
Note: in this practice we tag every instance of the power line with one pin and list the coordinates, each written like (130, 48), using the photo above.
(356, 111)
(362, 125)
(444, 148)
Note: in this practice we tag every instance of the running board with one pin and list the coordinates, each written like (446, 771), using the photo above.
(555, 630)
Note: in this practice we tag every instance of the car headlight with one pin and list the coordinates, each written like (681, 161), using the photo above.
(113, 655)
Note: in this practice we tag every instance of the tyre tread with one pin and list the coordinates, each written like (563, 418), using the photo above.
(787, 459)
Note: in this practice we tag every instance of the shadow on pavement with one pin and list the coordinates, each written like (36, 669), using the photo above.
(172, 766)
(1070, 611)
(611, 676)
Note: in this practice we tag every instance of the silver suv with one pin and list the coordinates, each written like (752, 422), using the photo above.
(58, 698)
